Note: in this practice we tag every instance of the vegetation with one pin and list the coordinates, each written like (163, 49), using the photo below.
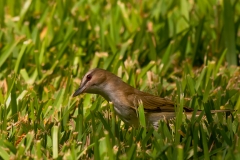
(183, 50)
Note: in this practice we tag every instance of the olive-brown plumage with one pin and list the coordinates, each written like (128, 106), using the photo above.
(126, 99)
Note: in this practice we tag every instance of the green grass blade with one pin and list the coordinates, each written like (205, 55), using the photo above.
(55, 141)
(229, 32)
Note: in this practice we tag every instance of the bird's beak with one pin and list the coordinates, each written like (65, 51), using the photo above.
(78, 91)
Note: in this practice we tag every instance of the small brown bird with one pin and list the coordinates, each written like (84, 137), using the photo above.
(126, 99)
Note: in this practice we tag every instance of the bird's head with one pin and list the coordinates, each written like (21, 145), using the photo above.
(92, 82)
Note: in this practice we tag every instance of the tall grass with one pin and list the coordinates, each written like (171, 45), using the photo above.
(183, 50)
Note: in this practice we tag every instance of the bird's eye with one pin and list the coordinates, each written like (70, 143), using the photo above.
(89, 77)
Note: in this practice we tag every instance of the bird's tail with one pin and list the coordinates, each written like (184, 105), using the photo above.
(153, 118)
(222, 110)
(189, 114)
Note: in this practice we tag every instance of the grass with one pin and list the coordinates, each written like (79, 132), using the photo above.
(182, 50)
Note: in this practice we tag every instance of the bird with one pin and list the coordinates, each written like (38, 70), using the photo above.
(126, 99)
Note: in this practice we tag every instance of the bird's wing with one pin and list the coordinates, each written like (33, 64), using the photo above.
(150, 102)
(153, 103)
(158, 104)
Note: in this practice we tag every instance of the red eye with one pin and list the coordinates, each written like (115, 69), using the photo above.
(89, 77)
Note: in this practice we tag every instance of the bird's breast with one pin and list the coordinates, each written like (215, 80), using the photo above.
(126, 114)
